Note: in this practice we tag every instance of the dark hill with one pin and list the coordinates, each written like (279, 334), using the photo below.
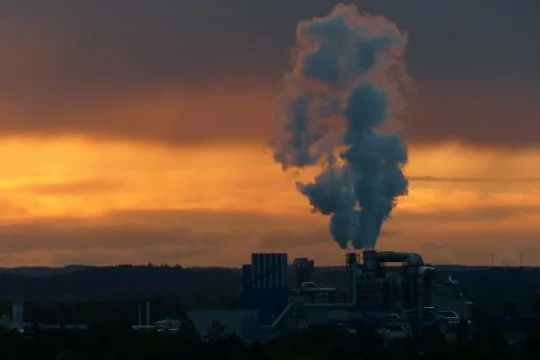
(42, 270)
(210, 287)
(199, 286)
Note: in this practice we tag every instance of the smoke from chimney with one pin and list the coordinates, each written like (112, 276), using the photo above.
(347, 82)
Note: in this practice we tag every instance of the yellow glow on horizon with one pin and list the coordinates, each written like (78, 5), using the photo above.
(75, 178)
(235, 178)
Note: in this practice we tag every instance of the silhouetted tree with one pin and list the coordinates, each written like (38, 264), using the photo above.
(216, 331)
(369, 344)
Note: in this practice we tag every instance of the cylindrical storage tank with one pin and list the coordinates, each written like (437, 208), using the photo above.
(18, 315)
(270, 290)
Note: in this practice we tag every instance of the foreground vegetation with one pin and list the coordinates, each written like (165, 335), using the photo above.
(94, 297)
(111, 342)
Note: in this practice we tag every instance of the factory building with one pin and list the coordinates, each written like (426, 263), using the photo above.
(386, 289)
(18, 323)
(380, 284)
(376, 284)
(263, 296)
(391, 288)
(265, 286)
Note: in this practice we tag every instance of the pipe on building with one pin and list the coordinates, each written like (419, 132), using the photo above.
(424, 269)
(383, 256)
(342, 305)
(393, 256)
(282, 315)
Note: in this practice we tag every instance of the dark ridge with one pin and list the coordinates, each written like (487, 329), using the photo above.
(217, 287)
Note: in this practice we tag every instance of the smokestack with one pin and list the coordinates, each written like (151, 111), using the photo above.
(346, 83)
(351, 259)
(351, 263)
(18, 315)
(148, 313)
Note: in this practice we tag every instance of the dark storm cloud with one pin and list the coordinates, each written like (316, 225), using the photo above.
(76, 236)
(438, 179)
(62, 61)
(144, 230)
(204, 237)
(478, 214)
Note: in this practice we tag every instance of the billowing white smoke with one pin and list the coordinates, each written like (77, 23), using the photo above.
(347, 81)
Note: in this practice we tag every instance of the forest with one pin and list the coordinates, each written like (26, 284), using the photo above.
(106, 300)
(113, 341)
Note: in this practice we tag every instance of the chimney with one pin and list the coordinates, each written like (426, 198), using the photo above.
(351, 259)
(18, 315)
(148, 313)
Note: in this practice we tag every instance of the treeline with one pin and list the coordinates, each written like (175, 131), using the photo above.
(194, 285)
(122, 312)
(485, 310)
(121, 282)
(316, 343)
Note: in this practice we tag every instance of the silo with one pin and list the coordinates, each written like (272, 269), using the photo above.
(18, 315)
(270, 290)
(247, 287)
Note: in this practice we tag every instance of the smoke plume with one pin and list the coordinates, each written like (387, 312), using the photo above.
(346, 85)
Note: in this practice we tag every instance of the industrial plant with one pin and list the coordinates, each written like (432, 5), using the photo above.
(390, 291)
(393, 292)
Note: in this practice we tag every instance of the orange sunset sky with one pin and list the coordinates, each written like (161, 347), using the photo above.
(135, 132)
